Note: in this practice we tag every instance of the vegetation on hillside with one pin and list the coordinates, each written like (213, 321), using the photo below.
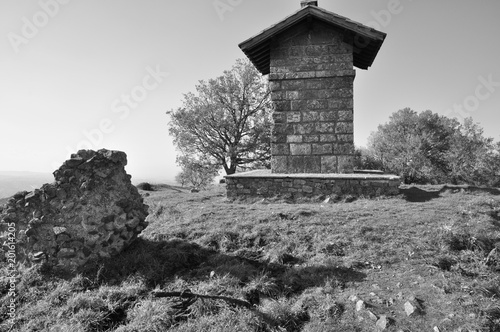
(196, 174)
(300, 267)
(428, 148)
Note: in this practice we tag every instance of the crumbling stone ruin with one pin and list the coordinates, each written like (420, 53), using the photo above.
(91, 210)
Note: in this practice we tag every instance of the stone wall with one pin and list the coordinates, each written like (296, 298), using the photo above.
(265, 184)
(91, 210)
(311, 81)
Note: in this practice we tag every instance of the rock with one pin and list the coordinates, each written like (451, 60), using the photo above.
(132, 223)
(371, 315)
(66, 253)
(349, 199)
(262, 201)
(74, 162)
(19, 195)
(376, 298)
(415, 299)
(61, 194)
(74, 219)
(436, 329)
(38, 256)
(411, 308)
(353, 298)
(383, 323)
(194, 190)
(360, 305)
(59, 230)
(30, 195)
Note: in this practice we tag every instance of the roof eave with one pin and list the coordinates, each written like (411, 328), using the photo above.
(259, 41)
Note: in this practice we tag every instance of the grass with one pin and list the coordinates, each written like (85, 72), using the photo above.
(299, 265)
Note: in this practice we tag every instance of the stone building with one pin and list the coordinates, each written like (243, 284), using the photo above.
(310, 58)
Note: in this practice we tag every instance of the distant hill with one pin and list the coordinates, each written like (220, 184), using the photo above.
(154, 181)
(13, 182)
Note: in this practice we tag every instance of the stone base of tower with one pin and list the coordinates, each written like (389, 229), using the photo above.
(264, 184)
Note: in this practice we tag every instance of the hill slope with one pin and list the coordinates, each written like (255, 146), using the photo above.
(274, 266)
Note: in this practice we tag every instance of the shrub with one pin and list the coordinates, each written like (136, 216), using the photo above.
(145, 186)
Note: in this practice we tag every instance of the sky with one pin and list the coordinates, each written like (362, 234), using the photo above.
(103, 73)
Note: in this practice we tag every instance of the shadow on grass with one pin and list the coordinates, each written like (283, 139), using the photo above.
(473, 189)
(155, 262)
(208, 272)
(158, 263)
(415, 194)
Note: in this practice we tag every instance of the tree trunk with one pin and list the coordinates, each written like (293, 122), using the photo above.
(230, 169)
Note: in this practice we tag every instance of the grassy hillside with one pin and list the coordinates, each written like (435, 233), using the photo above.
(284, 267)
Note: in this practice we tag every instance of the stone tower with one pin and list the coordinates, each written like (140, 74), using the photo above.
(310, 58)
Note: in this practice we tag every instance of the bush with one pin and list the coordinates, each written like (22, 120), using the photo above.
(145, 186)
(429, 148)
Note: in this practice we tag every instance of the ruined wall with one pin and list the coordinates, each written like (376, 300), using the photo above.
(311, 80)
(91, 210)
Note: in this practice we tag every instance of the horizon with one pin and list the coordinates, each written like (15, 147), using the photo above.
(134, 180)
(12, 182)
(107, 82)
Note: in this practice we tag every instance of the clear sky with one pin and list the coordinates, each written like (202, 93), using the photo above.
(102, 73)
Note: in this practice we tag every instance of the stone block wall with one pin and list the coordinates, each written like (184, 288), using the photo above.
(311, 83)
(91, 210)
(259, 184)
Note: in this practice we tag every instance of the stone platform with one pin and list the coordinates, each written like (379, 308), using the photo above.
(263, 183)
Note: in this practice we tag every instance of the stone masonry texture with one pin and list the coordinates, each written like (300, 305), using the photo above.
(311, 83)
(91, 210)
(304, 186)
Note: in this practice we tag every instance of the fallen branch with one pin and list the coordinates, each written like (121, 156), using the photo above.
(188, 294)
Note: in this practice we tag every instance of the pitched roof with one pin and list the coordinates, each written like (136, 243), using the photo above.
(367, 40)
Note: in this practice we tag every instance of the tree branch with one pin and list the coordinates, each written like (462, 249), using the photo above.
(188, 295)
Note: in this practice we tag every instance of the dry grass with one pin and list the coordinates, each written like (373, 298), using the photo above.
(298, 263)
